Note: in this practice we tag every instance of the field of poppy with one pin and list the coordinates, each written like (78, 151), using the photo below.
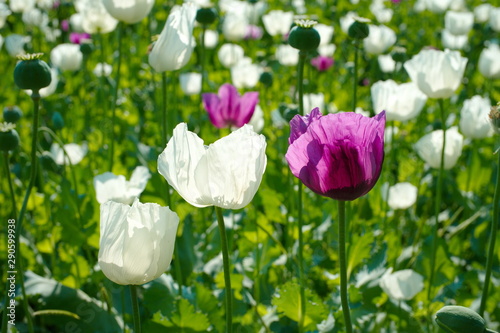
(250, 166)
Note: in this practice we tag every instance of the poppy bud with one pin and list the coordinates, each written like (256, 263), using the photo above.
(459, 319)
(303, 36)
(12, 114)
(57, 121)
(206, 15)
(266, 78)
(359, 29)
(9, 139)
(32, 73)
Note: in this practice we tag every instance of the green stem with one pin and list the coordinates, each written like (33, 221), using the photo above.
(202, 55)
(355, 83)
(227, 276)
(343, 267)
(9, 180)
(115, 97)
(102, 81)
(135, 309)
(35, 96)
(302, 303)
(493, 234)
(164, 122)
(437, 201)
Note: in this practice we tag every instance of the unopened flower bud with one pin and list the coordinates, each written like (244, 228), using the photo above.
(459, 319)
(266, 78)
(495, 118)
(57, 121)
(12, 114)
(32, 73)
(206, 15)
(359, 29)
(86, 47)
(303, 36)
(9, 139)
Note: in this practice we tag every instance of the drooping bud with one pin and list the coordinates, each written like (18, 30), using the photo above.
(32, 73)
(459, 319)
(303, 36)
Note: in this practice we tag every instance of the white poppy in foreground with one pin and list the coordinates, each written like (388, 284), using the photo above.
(437, 73)
(175, 45)
(429, 148)
(401, 195)
(137, 242)
(76, 153)
(474, 121)
(401, 102)
(131, 11)
(109, 186)
(401, 285)
(225, 174)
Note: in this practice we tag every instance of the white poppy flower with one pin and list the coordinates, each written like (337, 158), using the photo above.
(130, 11)
(458, 23)
(401, 285)
(245, 74)
(312, 101)
(109, 186)
(325, 33)
(495, 19)
(277, 22)
(482, 12)
(173, 48)
(211, 39)
(67, 57)
(190, 83)
(257, 120)
(137, 242)
(14, 44)
(380, 39)
(474, 121)
(234, 27)
(225, 174)
(76, 153)
(101, 69)
(95, 18)
(437, 6)
(18, 6)
(401, 195)
(287, 55)
(230, 54)
(429, 148)
(489, 62)
(401, 102)
(437, 73)
(453, 42)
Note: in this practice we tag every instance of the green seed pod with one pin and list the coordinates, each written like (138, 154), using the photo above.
(359, 29)
(459, 319)
(206, 15)
(12, 114)
(57, 121)
(86, 47)
(266, 78)
(9, 139)
(303, 36)
(399, 54)
(32, 73)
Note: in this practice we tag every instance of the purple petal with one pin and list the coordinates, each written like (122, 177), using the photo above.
(247, 107)
(299, 124)
(211, 103)
(339, 156)
(229, 101)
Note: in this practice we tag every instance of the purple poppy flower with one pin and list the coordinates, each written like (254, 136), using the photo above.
(228, 108)
(78, 37)
(338, 155)
(322, 63)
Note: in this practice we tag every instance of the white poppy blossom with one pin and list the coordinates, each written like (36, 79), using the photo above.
(429, 148)
(225, 174)
(94, 17)
(312, 101)
(495, 19)
(453, 42)
(287, 55)
(474, 121)
(234, 27)
(18, 6)
(277, 22)
(482, 12)
(230, 54)
(437, 6)
(109, 186)
(76, 153)
(401, 195)
(190, 83)
(130, 11)
(386, 63)
(489, 62)
(67, 57)
(458, 23)
(380, 39)
(437, 73)
(211, 39)
(325, 33)
(136, 242)
(14, 44)
(401, 285)
(175, 45)
(245, 74)
(401, 102)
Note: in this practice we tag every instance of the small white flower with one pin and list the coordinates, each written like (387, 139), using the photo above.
(76, 153)
(102, 69)
(245, 74)
(401, 195)
(130, 11)
(230, 54)
(277, 22)
(380, 39)
(287, 55)
(429, 148)
(453, 42)
(458, 23)
(474, 122)
(489, 62)
(190, 83)
(402, 285)
(67, 57)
